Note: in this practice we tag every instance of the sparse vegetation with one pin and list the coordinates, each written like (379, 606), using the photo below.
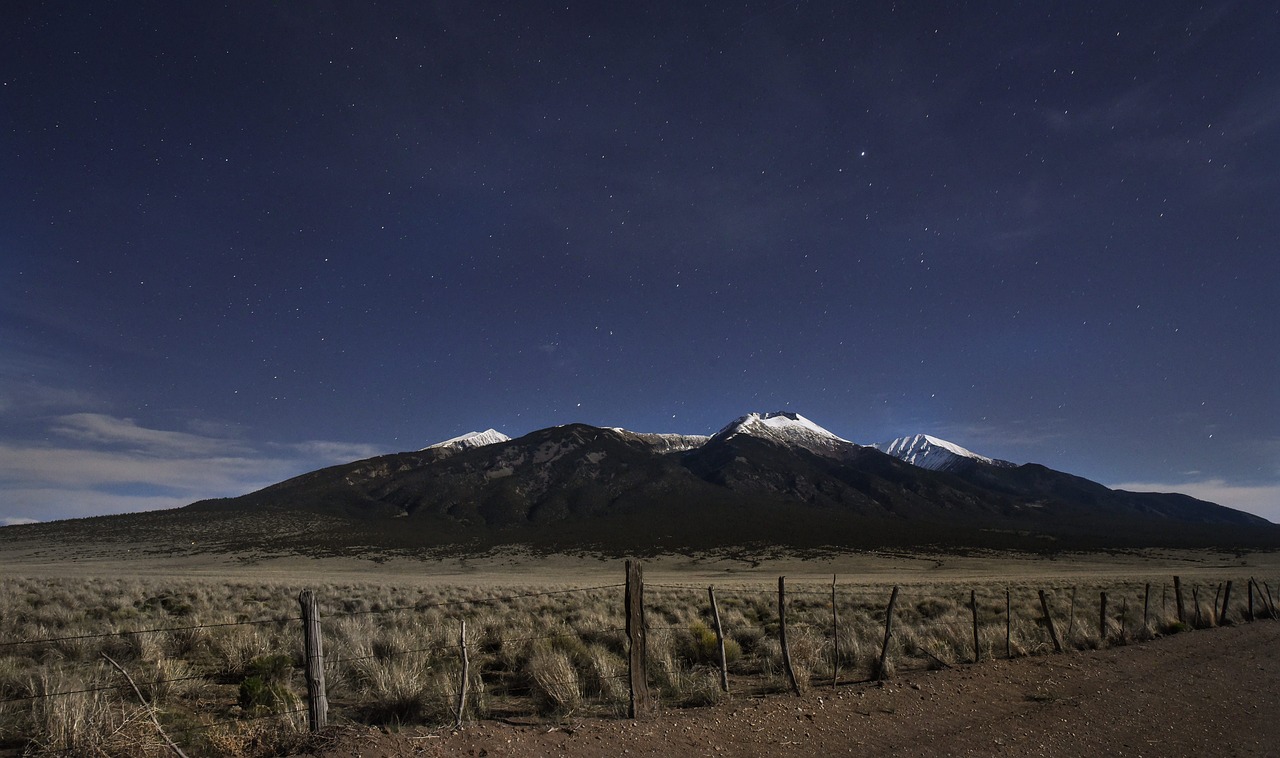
(220, 661)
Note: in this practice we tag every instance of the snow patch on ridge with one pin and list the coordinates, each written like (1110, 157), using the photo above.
(470, 440)
(933, 453)
(666, 443)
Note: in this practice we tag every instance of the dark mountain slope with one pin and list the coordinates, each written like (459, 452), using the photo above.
(766, 479)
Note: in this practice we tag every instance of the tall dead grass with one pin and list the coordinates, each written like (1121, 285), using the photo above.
(392, 652)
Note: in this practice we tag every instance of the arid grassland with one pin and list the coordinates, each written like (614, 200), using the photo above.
(214, 646)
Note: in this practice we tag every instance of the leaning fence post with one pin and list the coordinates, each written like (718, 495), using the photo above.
(715, 616)
(881, 669)
(466, 673)
(638, 658)
(1048, 620)
(317, 700)
(782, 634)
(1250, 585)
(973, 605)
(1226, 603)
(1177, 598)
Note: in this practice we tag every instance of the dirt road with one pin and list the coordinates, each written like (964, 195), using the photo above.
(1202, 693)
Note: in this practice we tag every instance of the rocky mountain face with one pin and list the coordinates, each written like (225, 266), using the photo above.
(765, 478)
(773, 479)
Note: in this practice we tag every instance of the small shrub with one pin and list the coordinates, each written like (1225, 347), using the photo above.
(265, 688)
(699, 647)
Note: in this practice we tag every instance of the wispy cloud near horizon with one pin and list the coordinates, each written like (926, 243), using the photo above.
(103, 464)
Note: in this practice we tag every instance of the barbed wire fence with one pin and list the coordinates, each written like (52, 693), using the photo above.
(691, 643)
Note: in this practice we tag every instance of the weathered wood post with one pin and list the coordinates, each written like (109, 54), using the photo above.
(1146, 607)
(313, 656)
(973, 606)
(638, 658)
(1213, 609)
(835, 637)
(1271, 601)
(466, 673)
(1177, 599)
(1250, 616)
(1102, 620)
(1048, 620)
(715, 617)
(782, 634)
(1008, 624)
(882, 671)
(1226, 603)
(1195, 600)
(1071, 616)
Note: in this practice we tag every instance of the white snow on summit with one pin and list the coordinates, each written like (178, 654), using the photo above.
(788, 428)
(932, 453)
(470, 440)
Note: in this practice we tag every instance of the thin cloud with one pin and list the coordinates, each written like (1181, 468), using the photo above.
(106, 464)
(101, 429)
(336, 452)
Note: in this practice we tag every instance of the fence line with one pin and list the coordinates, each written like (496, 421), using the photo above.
(160, 630)
(986, 612)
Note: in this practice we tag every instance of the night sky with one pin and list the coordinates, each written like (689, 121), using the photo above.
(242, 242)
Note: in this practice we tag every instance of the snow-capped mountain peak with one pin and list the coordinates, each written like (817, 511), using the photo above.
(933, 453)
(786, 428)
(470, 440)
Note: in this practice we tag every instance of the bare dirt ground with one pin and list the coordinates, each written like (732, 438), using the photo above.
(1213, 692)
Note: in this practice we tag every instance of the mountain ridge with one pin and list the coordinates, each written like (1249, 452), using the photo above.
(763, 479)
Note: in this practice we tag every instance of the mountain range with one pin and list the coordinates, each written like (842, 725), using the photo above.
(764, 479)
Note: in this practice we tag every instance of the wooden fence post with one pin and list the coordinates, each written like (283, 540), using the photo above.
(715, 617)
(1102, 620)
(1146, 607)
(973, 606)
(313, 646)
(782, 634)
(1008, 624)
(1271, 601)
(1071, 616)
(1195, 600)
(466, 673)
(1048, 620)
(881, 669)
(835, 637)
(1177, 599)
(1226, 603)
(638, 658)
